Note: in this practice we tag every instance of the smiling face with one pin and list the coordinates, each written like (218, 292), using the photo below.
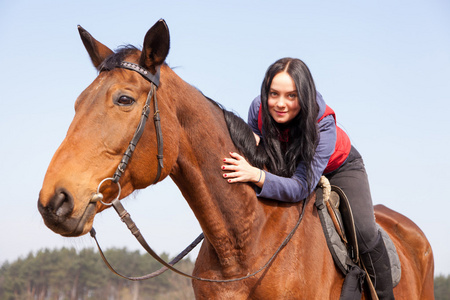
(283, 98)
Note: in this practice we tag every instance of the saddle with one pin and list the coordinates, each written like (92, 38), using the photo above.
(338, 226)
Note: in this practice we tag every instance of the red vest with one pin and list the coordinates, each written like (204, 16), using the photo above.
(342, 148)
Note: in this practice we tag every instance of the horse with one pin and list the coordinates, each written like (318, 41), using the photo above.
(241, 231)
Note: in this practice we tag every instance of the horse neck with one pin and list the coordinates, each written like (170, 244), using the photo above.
(226, 212)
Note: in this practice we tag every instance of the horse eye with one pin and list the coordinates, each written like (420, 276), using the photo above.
(125, 100)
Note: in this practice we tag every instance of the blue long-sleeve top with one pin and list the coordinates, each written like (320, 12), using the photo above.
(295, 188)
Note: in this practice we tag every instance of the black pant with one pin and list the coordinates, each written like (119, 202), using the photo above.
(351, 177)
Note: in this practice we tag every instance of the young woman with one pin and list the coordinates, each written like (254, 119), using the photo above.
(299, 133)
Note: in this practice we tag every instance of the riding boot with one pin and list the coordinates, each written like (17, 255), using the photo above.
(377, 264)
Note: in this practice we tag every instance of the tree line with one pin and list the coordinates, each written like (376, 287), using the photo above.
(67, 274)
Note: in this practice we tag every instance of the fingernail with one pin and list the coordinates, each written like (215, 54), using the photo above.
(224, 175)
(229, 180)
(223, 167)
(224, 159)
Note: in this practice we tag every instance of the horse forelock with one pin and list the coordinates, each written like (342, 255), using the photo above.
(117, 57)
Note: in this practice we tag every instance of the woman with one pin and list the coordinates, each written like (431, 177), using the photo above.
(299, 133)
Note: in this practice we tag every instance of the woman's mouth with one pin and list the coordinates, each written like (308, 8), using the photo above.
(281, 113)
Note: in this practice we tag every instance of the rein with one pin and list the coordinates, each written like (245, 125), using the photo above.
(125, 216)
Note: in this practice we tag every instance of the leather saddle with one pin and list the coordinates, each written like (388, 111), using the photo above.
(338, 225)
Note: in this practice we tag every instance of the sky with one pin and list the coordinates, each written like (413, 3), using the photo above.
(383, 66)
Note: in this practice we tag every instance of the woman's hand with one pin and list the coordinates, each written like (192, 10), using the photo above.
(241, 171)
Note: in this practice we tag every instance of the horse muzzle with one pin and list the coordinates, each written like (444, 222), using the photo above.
(58, 214)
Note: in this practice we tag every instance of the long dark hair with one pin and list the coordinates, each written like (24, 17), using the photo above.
(285, 156)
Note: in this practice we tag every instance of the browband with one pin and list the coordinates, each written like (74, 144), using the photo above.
(145, 73)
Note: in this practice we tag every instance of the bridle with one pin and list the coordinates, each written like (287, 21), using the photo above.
(154, 83)
(125, 216)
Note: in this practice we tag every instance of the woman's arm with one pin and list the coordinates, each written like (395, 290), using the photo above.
(281, 188)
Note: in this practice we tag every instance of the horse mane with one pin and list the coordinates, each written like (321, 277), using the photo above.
(242, 136)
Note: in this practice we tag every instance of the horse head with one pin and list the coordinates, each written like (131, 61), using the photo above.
(107, 114)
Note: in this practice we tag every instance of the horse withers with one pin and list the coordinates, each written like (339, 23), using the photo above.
(241, 231)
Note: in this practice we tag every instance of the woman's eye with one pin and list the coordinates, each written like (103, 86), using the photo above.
(125, 100)
(273, 94)
(292, 96)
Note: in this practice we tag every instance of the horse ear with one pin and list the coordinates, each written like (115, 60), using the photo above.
(156, 46)
(97, 51)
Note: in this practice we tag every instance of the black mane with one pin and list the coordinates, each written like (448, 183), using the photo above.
(242, 136)
(244, 139)
(117, 57)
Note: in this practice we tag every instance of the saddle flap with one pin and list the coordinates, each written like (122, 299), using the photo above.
(333, 209)
(338, 249)
(348, 222)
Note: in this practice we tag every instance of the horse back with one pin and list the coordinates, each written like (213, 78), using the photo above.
(415, 253)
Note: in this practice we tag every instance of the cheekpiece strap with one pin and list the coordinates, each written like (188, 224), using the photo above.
(145, 73)
(154, 81)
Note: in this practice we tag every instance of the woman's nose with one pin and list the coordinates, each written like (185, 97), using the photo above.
(281, 102)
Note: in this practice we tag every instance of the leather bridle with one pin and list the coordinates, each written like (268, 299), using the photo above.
(154, 82)
(125, 216)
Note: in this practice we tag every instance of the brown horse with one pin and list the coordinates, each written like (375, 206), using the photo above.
(241, 231)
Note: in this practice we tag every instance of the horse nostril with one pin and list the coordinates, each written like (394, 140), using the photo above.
(62, 203)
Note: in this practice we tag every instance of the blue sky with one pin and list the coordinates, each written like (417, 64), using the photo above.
(384, 67)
